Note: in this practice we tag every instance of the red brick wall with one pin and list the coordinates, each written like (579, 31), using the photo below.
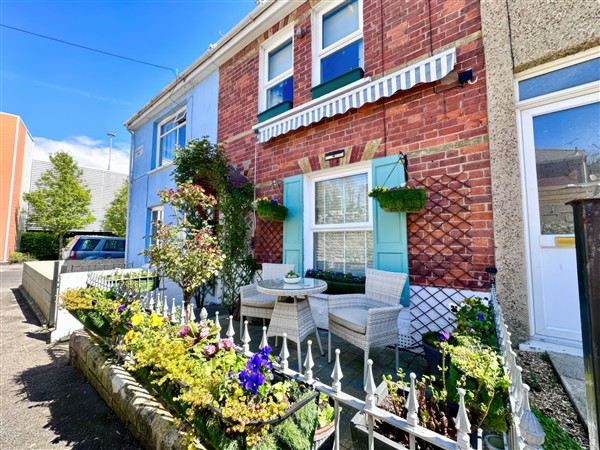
(441, 126)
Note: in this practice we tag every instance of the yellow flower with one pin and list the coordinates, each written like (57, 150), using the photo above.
(137, 319)
(131, 337)
(156, 320)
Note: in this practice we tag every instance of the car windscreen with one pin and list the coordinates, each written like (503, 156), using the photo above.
(86, 244)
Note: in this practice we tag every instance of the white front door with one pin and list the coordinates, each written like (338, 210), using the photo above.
(561, 156)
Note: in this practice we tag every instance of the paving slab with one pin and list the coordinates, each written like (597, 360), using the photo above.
(44, 402)
(571, 373)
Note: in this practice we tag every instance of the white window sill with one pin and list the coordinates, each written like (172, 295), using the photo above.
(161, 168)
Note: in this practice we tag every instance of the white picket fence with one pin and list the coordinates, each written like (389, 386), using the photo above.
(525, 432)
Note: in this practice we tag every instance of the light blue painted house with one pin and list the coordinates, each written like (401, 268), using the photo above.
(183, 111)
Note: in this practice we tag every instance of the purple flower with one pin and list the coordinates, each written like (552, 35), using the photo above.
(251, 380)
(255, 362)
(183, 332)
(209, 350)
(231, 373)
(274, 201)
(121, 308)
(444, 336)
(479, 316)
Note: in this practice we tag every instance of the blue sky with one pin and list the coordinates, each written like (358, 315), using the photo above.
(68, 97)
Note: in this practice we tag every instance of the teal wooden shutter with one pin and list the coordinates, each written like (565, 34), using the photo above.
(293, 230)
(390, 239)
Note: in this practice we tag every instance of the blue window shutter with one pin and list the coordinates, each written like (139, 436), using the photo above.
(293, 232)
(390, 238)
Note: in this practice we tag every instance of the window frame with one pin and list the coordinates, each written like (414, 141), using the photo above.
(160, 160)
(309, 205)
(273, 43)
(319, 53)
(160, 210)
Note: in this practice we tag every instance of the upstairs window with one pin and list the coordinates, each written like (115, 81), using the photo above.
(339, 41)
(277, 74)
(171, 135)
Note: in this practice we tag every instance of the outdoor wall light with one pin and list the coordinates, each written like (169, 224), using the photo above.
(335, 154)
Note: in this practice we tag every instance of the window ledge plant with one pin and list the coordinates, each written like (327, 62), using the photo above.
(399, 199)
(270, 210)
(339, 282)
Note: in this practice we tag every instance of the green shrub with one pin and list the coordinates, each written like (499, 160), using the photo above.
(40, 245)
(556, 438)
(18, 257)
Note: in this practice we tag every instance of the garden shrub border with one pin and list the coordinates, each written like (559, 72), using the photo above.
(147, 419)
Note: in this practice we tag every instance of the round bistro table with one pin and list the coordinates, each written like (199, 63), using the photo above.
(292, 314)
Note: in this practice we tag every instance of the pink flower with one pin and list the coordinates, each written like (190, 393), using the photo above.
(183, 332)
(225, 344)
(204, 332)
(209, 350)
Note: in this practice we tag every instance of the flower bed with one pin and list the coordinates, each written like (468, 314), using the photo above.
(233, 401)
(339, 282)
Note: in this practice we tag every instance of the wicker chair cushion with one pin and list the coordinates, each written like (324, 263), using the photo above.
(354, 319)
(259, 300)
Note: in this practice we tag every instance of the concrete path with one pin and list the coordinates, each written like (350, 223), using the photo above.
(44, 402)
(571, 373)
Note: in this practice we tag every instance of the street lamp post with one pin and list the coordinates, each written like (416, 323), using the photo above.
(111, 135)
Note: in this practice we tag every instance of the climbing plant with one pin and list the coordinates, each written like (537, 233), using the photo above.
(206, 164)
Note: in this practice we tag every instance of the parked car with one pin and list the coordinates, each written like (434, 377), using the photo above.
(94, 247)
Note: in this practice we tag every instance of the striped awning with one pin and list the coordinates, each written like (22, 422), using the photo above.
(426, 71)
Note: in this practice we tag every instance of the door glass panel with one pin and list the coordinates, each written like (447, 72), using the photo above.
(567, 155)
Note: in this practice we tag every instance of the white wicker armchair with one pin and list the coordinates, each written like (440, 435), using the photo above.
(255, 304)
(371, 319)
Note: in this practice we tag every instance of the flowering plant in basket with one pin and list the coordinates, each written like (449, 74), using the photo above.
(399, 199)
(270, 210)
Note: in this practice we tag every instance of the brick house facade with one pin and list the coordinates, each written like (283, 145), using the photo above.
(441, 126)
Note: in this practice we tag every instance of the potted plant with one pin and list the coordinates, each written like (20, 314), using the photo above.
(291, 277)
(270, 210)
(433, 353)
(325, 421)
(399, 199)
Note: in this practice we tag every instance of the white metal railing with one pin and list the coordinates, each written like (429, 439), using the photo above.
(525, 431)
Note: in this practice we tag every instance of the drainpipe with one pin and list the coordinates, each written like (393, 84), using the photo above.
(587, 242)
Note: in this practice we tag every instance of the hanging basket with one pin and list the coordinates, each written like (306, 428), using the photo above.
(402, 200)
(271, 211)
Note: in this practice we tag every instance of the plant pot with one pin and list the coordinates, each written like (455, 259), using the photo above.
(291, 280)
(341, 287)
(360, 432)
(402, 200)
(433, 355)
(273, 212)
(322, 435)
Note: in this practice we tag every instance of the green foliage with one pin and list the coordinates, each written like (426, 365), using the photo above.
(399, 199)
(18, 257)
(270, 210)
(40, 245)
(556, 438)
(187, 255)
(61, 201)
(115, 219)
(206, 164)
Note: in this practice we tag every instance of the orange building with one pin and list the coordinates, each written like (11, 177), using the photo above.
(16, 148)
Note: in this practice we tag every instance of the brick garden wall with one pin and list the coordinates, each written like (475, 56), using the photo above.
(441, 126)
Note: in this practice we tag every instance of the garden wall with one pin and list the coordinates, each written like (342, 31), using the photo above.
(38, 282)
(150, 423)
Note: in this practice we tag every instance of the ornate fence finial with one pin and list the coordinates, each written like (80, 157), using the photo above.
(192, 315)
(230, 331)
(463, 426)
(337, 374)
(370, 387)
(203, 314)
(285, 354)
(412, 416)
(173, 315)
(309, 364)
(263, 342)
(246, 338)
(529, 425)
(218, 325)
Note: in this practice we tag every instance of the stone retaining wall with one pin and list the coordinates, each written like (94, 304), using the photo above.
(38, 282)
(148, 420)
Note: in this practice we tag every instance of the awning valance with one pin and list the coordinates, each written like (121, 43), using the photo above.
(426, 71)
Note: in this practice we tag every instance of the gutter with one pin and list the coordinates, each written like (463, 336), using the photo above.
(218, 53)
